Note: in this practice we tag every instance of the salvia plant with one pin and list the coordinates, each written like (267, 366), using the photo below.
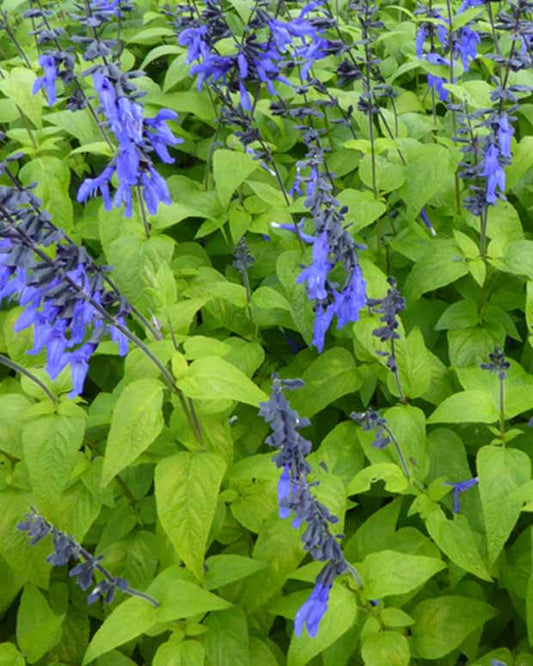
(266, 309)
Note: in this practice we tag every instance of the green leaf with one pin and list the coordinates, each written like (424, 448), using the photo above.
(392, 474)
(500, 471)
(329, 377)
(414, 366)
(518, 258)
(226, 642)
(518, 393)
(38, 627)
(466, 407)
(408, 424)
(340, 616)
(213, 378)
(389, 572)
(29, 564)
(186, 488)
(442, 624)
(51, 445)
(458, 316)
(10, 656)
(363, 208)
(224, 569)
(387, 647)
(389, 175)
(457, 541)
(231, 168)
(52, 176)
(177, 652)
(137, 420)
(442, 264)
(288, 267)
(79, 124)
(179, 599)
(430, 173)
(471, 346)
(17, 85)
(135, 260)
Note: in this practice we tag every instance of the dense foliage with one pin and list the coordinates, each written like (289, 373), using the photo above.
(266, 369)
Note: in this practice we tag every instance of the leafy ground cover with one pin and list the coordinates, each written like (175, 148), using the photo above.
(266, 370)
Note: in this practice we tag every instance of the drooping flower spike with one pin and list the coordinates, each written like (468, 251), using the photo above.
(295, 498)
(63, 296)
(66, 549)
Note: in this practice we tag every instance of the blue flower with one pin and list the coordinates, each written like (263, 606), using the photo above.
(312, 611)
(90, 186)
(467, 45)
(425, 219)
(162, 136)
(284, 491)
(494, 173)
(504, 134)
(79, 367)
(48, 81)
(350, 301)
(194, 40)
(420, 39)
(316, 274)
(323, 318)
(459, 488)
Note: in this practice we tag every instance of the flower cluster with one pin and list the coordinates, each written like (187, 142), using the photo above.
(255, 62)
(371, 420)
(295, 496)
(63, 296)
(57, 62)
(66, 548)
(389, 308)
(137, 137)
(497, 363)
(456, 45)
(332, 244)
(485, 156)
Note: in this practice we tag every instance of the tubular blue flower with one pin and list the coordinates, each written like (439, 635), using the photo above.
(467, 45)
(194, 40)
(107, 96)
(459, 488)
(312, 611)
(48, 81)
(425, 219)
(316, 274)
(296, 229)
(155, 190)
(56, 346)
(419, 41)
(91, 186)
(351, 300)
(284, 491)
(494, 174)
(79, 367)
(504, 134)
(323, 319)
(161, 136)
(437, 82)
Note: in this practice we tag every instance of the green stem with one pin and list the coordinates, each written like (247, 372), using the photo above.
(403, 462)
(23, 371)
